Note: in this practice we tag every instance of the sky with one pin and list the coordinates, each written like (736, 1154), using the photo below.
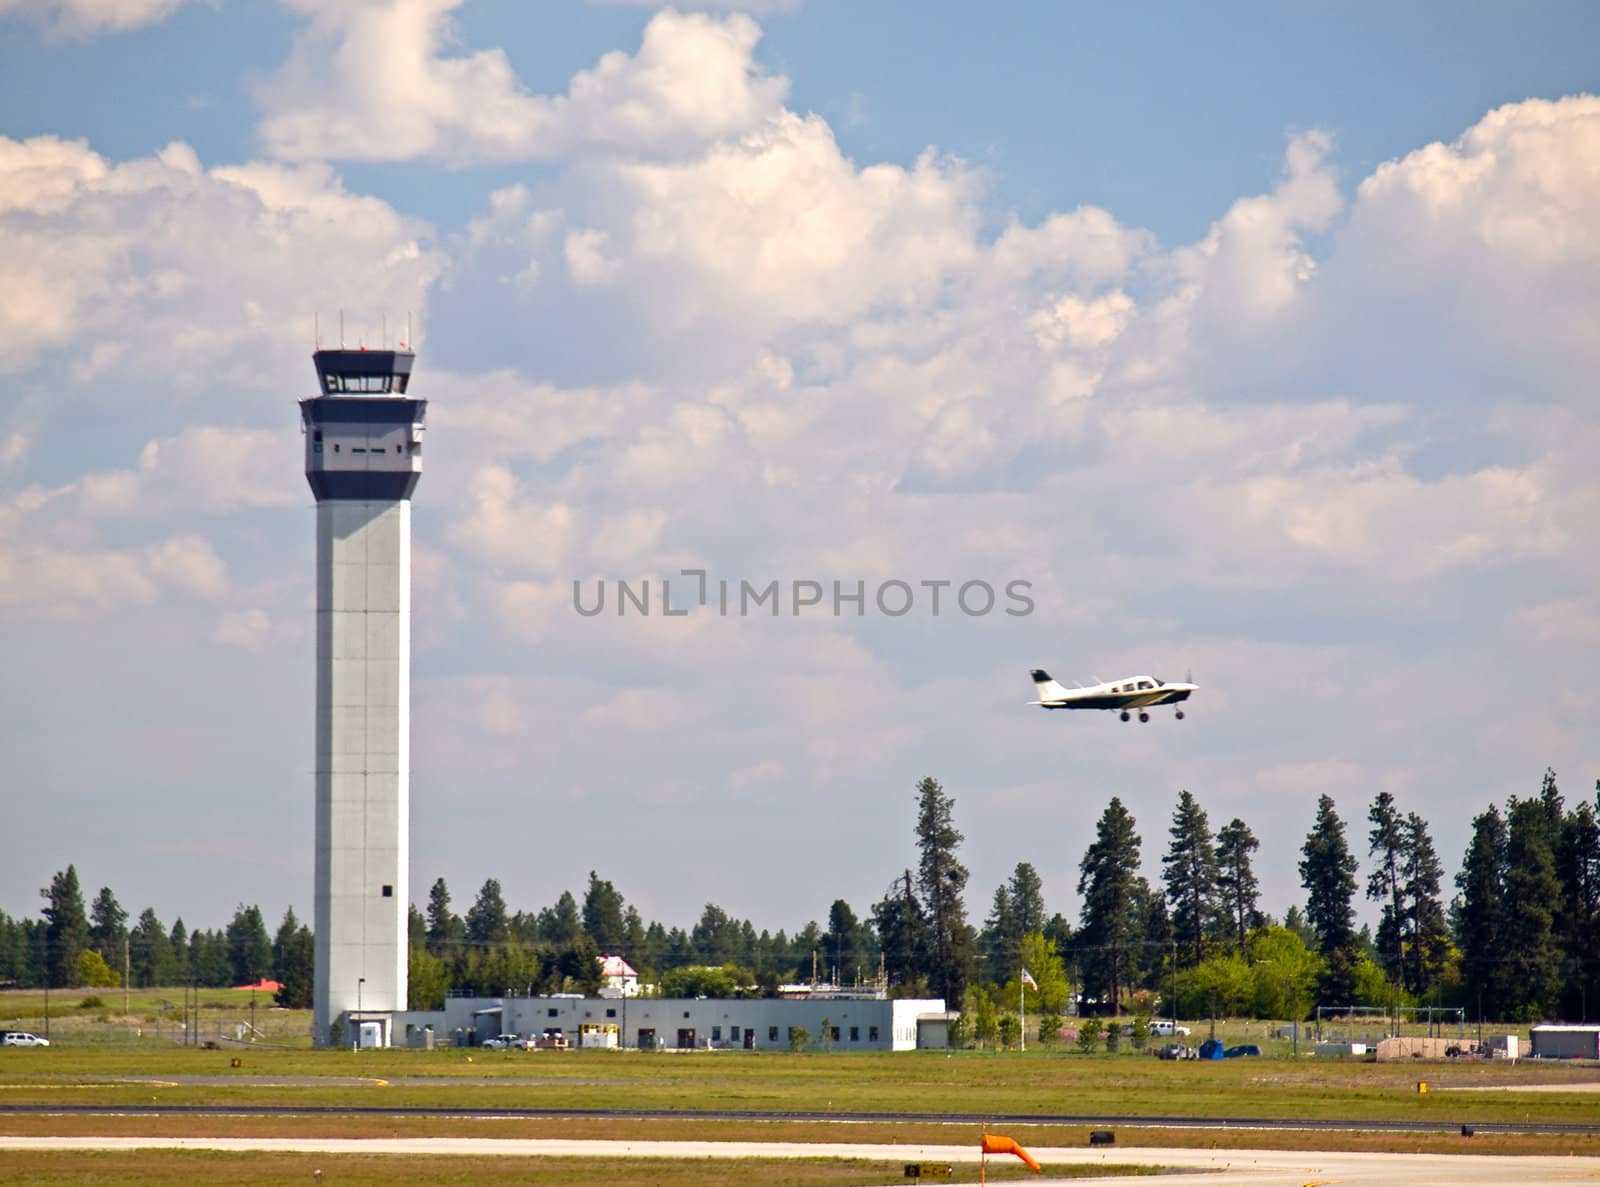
(1258, 342)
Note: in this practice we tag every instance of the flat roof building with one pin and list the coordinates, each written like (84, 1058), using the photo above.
(660, 1023)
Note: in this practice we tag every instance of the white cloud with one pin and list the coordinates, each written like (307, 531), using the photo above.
(117, 265)
(84, 17)
(249, 629)
(368, 81)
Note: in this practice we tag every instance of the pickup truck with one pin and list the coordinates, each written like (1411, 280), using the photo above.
(509, 1043)
(1164, 1027)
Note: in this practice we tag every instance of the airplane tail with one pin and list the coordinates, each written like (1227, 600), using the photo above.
(1049, 690)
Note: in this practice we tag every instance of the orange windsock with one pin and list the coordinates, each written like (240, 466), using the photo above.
(993, 1143)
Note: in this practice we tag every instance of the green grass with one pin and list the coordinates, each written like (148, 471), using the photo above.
(131, 1168)
(965, 1082)
(149, 1016)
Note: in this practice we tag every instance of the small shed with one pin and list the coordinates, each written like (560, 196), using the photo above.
(1565, 1041)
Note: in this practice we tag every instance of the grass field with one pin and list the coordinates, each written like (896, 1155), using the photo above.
(103, 1056)
(961, 1082)
(273, 1170)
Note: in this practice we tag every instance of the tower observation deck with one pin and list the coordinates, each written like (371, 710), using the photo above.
(363, 460)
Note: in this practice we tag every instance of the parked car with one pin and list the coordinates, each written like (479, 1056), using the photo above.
(1176, 1051)
(1241, 1049)
(1164, 1027)
(509, 1043)
(21, 1038)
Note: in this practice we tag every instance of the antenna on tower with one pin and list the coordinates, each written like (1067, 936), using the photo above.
(341, 329)
(316, 332)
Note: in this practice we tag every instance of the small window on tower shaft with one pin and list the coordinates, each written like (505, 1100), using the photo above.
(388, 892)
(335, 447)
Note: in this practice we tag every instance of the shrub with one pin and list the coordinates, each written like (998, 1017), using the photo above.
(1089, 1030)
(93, 1002)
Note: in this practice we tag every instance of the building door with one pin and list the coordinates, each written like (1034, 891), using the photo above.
(647, 1038)
(749, 1038)
(685, 1036)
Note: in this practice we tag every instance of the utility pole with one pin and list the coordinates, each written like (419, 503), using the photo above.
(125, 967)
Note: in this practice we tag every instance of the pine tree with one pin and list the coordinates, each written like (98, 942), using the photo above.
(1026, 891)
(66, 927)
(446, 931)
(1113, 907)
(942, 878)
(715, 937)
(1000, 931)
(1429, 931)
(249, 947)
(1386, 846)
(1533, 897)
(108, 927)
(1190, 875)
(487, 924)
(150, 956)
(902, 929)
(179, 939)
(1236, 880)
(1328, 872)
(1480, 922)
(1578, 867)
(846, 943)
(294, 962)
(602, 914)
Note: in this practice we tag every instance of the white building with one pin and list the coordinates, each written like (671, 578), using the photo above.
(750, 1024)
(619, 977)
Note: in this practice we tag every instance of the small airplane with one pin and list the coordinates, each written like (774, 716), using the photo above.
(1131, 693)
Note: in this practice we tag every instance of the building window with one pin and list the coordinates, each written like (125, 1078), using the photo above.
(835, 1031)
(686, 1013)
(772, 1034)
(611, 1013)
(733, 1033)
(855, 1034)
(716, 1034)
(335, 447)
(872, 1034)
(552, 1012)
(388, 892)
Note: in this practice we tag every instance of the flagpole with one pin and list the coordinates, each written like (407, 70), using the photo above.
(1022, 1005)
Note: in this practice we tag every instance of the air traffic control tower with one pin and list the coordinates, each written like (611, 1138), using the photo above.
(363, 458)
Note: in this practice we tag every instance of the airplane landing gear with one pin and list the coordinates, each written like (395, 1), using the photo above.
(1124, 715)
(1143, 716)
(1180, 714)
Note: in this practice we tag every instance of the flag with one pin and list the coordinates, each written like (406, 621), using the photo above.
(1027, 979)
(993, 1143)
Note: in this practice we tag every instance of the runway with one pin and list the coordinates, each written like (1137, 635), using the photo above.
(1227, 1168)
(1324, 1124)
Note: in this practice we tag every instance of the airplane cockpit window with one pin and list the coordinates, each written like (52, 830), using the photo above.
(1145, 684)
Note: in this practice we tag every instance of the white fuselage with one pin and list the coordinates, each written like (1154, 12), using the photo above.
(1129, 693)
(363, 758)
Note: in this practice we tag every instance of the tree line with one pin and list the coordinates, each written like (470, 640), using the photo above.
(1519, 940)
(94, 948)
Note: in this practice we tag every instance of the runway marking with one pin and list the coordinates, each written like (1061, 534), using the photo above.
(53, 1085)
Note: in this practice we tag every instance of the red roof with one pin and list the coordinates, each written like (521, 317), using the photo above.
(264, 985)
(615, 966)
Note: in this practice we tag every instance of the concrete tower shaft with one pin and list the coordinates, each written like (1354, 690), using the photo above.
(363, 460)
